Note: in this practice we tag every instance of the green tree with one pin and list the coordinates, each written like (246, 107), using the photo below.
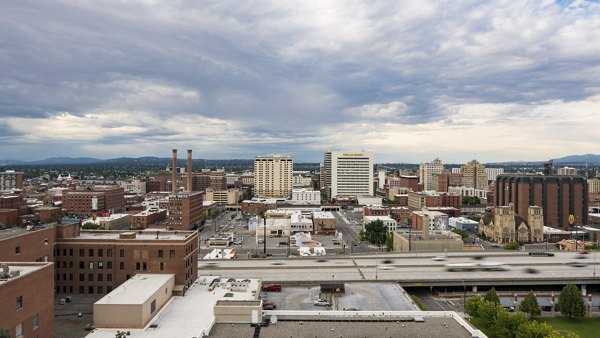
(570, 302)
(471, 200)
(361, 234)
(376, 232)
(472, 306)
(507, 323)
(512, 246)
(492, 296)
(530, 305)
(389, 243)
(534, 329)
(463, 234)
(4, 333)
(488, 312)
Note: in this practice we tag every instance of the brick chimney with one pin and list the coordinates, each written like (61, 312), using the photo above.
(174, 172)
(189, 171)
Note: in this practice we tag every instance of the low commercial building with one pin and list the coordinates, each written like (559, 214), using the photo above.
(256, 207)
(306, 196)
(9, 217)
(110, 221)
(27, 293)
(405, 241)
(387, 221)
(148, 217)
(427, 219)
(324, 223)
(464, 224)
(224, 197)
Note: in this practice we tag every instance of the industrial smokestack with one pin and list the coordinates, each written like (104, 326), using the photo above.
(189, 171)
(174, 172)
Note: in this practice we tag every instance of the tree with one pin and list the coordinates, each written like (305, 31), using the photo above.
(463, 234)
(535, 329)
(376, 232)
(471, 200)
(570, 301)
(507, 323)
(492, 296)
(473, 305)
(530, 305)
(512, 246)
(389, 243)
(488, 312)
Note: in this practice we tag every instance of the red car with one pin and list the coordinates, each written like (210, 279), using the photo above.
(271, 287)
(269, 306)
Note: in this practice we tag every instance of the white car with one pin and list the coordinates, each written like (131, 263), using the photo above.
(322, 302)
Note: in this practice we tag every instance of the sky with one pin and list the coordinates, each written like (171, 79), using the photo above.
(408, 81)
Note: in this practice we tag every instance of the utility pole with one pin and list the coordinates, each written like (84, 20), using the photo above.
(265, 234)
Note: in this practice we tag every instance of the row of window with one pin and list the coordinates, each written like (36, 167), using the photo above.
(100, 252)
(19, 327)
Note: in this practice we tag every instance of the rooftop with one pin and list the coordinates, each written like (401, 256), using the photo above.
(17, 231)
(23, 268)
(136, 289)
(139, 235)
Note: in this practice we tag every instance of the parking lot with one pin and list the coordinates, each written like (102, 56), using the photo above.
(363, 296)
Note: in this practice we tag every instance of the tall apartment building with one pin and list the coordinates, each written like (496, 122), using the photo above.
(567, 171)
(442, 182)
(559, 197)
(474, 175)
(273, 176)
(493, 172)
(185, 210)
(426, 172)
(96, 262)
(11, 179)
(348, 174)
(594, 185)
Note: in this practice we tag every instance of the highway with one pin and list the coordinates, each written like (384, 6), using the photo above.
(416, 270)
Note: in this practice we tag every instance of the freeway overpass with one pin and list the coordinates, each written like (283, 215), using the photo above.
(413, 270)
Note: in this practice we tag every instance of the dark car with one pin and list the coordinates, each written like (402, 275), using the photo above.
(269, 306)
(531, 271)
(272, 287)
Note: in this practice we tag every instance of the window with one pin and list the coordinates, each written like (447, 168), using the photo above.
(81, 278)
(100, 290)
(144, 266)
(162, 266)
(34, 321)
(70, 276)
(122, 253)
(70, 252)
(64, 252)
(121, 266)
(81, 253)
(153, 306)
(109, 288)
(91, 265)
(160, 254)
(19, 330)
(70, 264)
(19, 302)
(46, 241)
(108, 252)
(100, 277)
(100, 253)
(17, 250)
(90, 277)
(171, 253)
(109, 265)
(128, 276)
(90, 290)
(81, 265)
(109, 277)
(100, 265)
(137, 265)
(81, 289)
(91, 252)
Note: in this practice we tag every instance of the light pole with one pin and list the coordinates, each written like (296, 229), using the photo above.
(265, 235)
(409, 223)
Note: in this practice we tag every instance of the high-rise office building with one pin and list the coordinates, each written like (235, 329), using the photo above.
(567, 171)
(426, 172)
(273, 176)
(11, 179)
(492, 173)
(474, 175)
(348, 173)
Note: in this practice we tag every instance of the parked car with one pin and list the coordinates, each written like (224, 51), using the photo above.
(261, 240)
(272, 287)
(322, 302)
(269, 306)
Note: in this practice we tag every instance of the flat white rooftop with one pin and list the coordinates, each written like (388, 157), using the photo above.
(136, 290)
(191, 315)
(139, 235)
(23, 269)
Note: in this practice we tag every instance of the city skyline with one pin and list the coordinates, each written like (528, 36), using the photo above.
(493, 81)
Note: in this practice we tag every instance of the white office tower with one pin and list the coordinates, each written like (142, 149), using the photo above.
(381, 176)
(348, 173)
(426, 172)
(493, 172)
(567, 171)
(273, 176)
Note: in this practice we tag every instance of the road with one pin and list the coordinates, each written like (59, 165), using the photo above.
(416, 269)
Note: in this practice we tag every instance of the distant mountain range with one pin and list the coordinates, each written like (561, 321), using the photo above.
(151, 160)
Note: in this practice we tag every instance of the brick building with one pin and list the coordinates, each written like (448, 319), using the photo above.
(9, 217)
(418, 200)
(148, 217)
(559, 197)
(85, 202)
(22, 245)
(256, 207)
(28, 299)
(185, 210)
(376, 210)
(96, 262)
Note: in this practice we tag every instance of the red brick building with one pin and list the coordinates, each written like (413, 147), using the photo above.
(257, 207)
(9, 217)
(185, 210)
(376, 210)
(145, 218)
(96, 262)
(28, 299)
(411, 182)
(22, 245)
(84, 202)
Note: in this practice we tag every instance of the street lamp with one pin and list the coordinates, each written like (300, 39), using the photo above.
(265, 235)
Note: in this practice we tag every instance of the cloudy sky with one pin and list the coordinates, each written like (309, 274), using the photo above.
(406, 80)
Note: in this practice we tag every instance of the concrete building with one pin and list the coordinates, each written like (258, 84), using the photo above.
(277, 222)
(559, 197)
(224, 197)
(493, 172)
(474, 175)
(426, 172)
(27, 293)
(306, 196)
(463, 191)
(387, 221)
(302, 179)
(405, 241)
(273, 176)
(9, 218)
(10, 180)
(567, 171)
(137, 187)
(185, 210)
(96, 262)
(375, 210)
(348, 174)
(464, 224)
(594, 185)
(135, 302)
